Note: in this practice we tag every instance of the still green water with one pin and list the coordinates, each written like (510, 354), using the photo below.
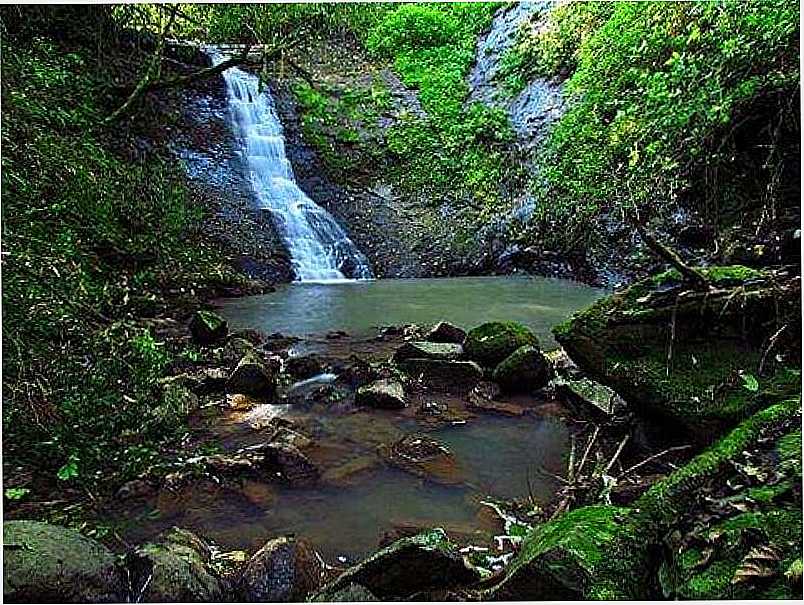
(360, 307)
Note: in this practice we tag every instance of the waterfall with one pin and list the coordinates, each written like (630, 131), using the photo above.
(319, 248)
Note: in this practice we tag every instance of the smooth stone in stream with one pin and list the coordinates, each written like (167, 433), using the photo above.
(444, 351)
(283, 570)
(304, 367)
(448, 375)
(45, 563)
(385, 393)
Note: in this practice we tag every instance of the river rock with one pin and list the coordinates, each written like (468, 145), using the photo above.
(305, 366)
(428, 561)
(443, 351)
(252, 377)
(444, 331)
(490, 343)
(174, 568)
(594, 398)
(385, 393)
(45, 563)
(234, 350)
(283, 570)
(208, 328)
(523, 371)
(448, 375)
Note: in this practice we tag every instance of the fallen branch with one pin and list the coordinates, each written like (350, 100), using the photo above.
(631, 469)
(689, 274)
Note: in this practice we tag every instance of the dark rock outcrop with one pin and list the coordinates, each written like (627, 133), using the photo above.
(444, 331)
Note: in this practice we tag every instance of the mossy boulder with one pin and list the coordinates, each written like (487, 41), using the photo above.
(693, 357)
(490, 343)
(696, 497)
(283, 570)
(559, 560)
(427, 561)
(175, 568)
(304, 366)
(523, 371)
(45, 563)
(253, 377)
(208, 328)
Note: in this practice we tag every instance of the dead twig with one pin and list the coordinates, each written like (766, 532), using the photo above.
(669, 450)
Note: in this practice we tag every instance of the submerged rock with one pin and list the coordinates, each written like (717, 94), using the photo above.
(385, 393)
(428, 561)
(442, 351)
(444, 331)
(208, 328)
(175, 568)
(424, 457)
(252, 377)
(283, 570)
(484, 398)
(690, 356)
(45, 563)
(448, 375)
(490, 343)
(523, 371)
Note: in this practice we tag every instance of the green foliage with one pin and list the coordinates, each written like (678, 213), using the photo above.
(655, 93)
(89, 237)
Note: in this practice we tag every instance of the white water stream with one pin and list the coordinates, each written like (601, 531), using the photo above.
(319, 248)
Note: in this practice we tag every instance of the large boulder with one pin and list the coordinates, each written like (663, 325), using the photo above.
(428, 561)
(444, 331)
(208, 328)
(523, 371)
(283, 570)
(490, 343)
(443, 351)
(45, 563)
(385, 393)
(174, 568)
(693, 357)
(252, 377)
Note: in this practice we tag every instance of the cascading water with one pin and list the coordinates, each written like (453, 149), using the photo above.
(319, 248)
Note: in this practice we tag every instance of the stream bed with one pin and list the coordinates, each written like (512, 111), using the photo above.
(362, 500)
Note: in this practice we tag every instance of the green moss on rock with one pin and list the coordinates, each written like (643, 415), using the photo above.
(559, 559)
(491, 342)
(45, 563)
(682, 355)
(524, 370)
